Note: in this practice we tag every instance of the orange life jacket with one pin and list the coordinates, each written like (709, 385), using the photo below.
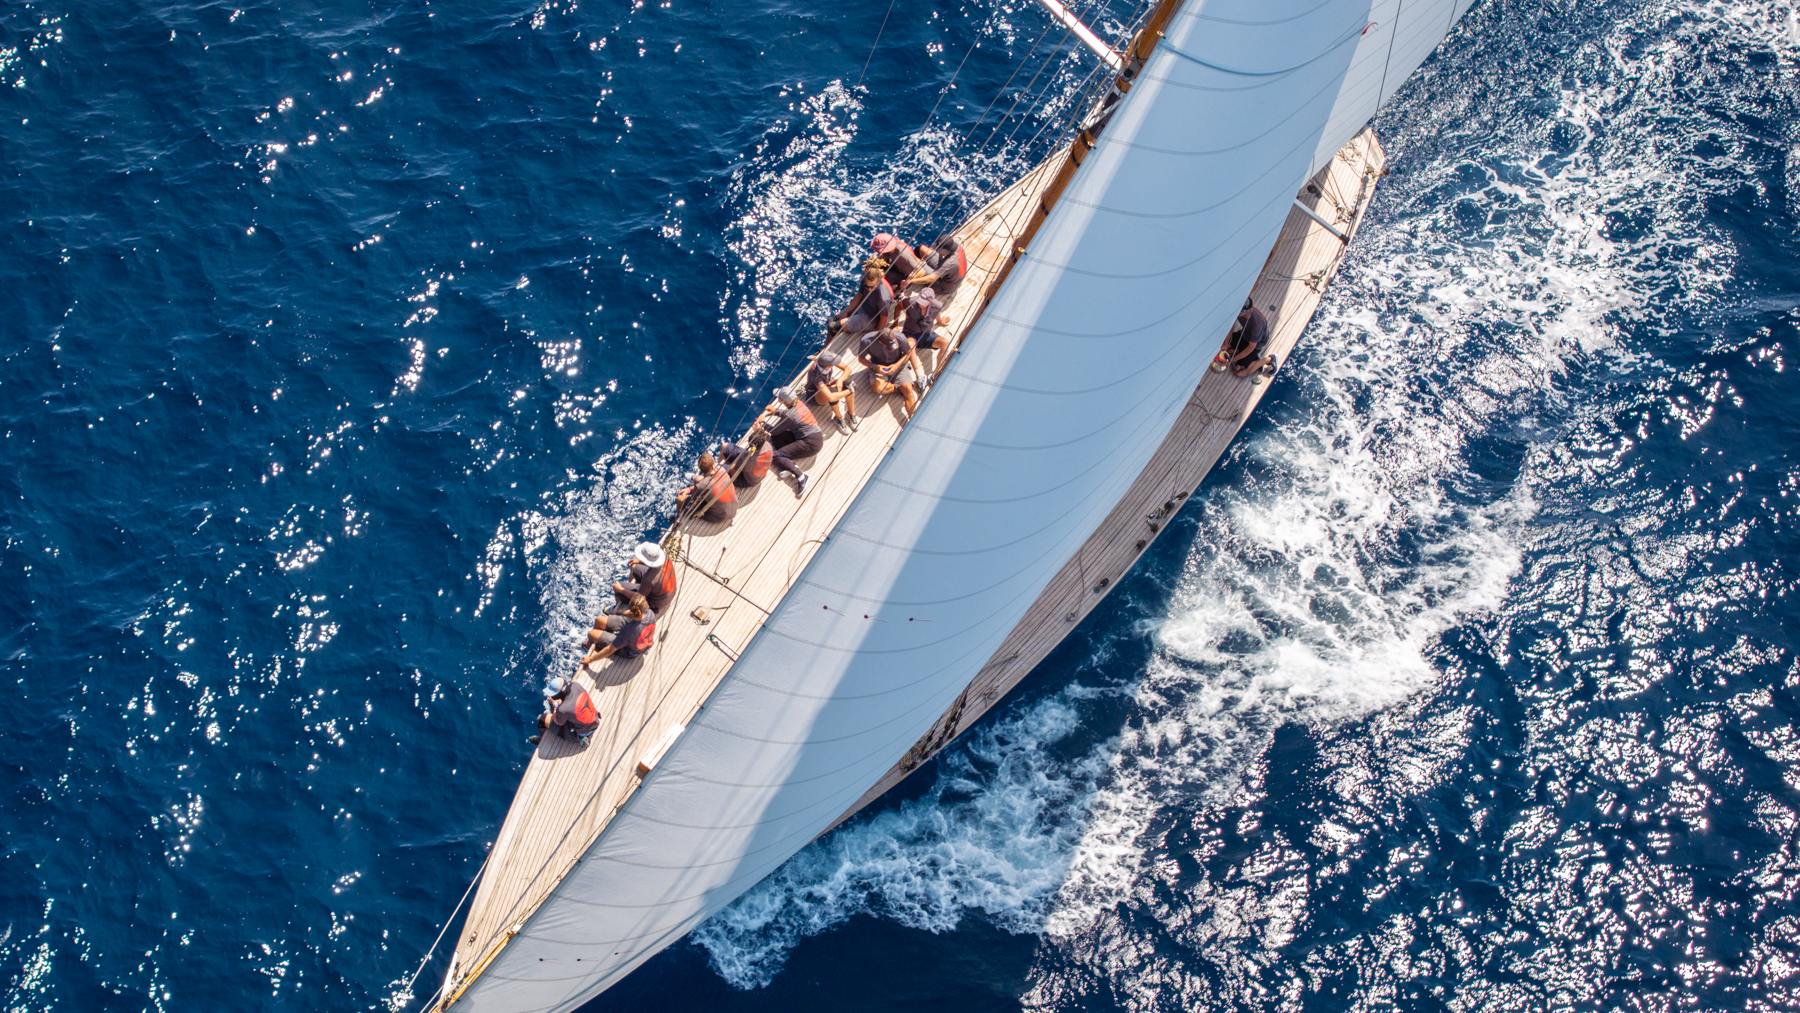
(666, 579)
(759, 466)
(722, 489)
(646, 637)
(586, 714)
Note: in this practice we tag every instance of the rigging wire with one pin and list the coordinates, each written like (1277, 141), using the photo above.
(426, 960)
(873, 46)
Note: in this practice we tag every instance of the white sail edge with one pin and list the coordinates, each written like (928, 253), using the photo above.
(814, 712)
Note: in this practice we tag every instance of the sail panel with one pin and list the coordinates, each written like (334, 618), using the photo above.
(1064, 389)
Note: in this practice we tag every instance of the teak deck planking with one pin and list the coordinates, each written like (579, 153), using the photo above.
(739, 573)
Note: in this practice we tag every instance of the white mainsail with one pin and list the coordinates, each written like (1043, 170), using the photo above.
(1023, 446)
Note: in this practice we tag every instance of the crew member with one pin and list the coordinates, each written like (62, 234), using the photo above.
(794, 434)
(1246, 348)
(889, 356)
(749, 464)
(569, 709)
(828, 383)
(872, 307)
(650, 574)
(946, 265)
(711, 495)
(625, 632)
(922, 312)
(902, 262)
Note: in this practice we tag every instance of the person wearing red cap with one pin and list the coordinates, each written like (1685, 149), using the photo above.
(902, 262)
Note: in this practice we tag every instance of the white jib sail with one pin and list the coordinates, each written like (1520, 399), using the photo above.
(1063, 390)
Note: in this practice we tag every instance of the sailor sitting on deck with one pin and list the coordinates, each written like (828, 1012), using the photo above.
(794, 434)
(902, 262)
(626, 631)
(871, 307)
(569, 709)
(828, 383)
(889, 355)
(650, 574)
(946, 265)
(749, 464)
(922, 312)
(1246, 347)
(711, 495)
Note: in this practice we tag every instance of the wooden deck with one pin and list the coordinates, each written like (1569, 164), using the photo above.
(739, 574)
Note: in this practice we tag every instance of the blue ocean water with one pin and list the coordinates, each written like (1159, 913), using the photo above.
(347, 346)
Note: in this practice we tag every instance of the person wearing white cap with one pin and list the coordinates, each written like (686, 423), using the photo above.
(828, 383)
(794, 435)
(569, 709)
(648, 572)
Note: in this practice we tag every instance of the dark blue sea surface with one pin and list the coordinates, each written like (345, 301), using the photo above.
(345, 347)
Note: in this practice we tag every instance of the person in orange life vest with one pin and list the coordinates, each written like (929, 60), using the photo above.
(569, 709)
(648, 572)
(795, 435)
(828, 382)
(710, 495)
(890, 357)
(872, 306)
(902, 262)
(749, 464)
(946, 265)
(626, 632)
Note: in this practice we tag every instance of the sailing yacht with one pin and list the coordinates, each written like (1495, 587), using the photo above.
(819, 649)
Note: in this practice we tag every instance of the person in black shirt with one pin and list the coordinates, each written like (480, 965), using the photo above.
(748, 465)
(569, 709)
(794, 434)
(828, 384)
(902, 262)
(889, 356)
(711, 495)
(1246, 348)
(922, 312)
(946, 265)
(872, 307)
(648, 572)
(626, 632)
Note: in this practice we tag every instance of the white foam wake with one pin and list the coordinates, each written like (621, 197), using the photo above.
(1322, 579)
